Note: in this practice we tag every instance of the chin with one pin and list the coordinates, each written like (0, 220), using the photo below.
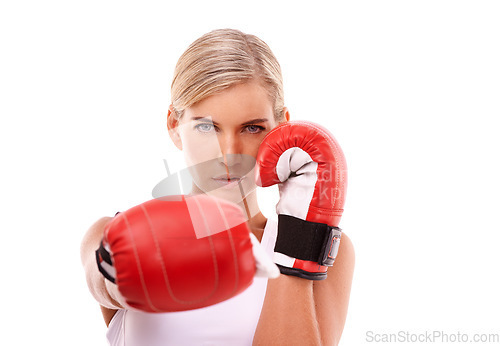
(231, 196)
(234, 194)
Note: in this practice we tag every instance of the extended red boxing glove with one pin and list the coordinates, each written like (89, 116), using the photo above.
(179, 253)
(309, 166)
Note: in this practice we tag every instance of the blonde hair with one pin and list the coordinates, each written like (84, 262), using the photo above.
(220, 59)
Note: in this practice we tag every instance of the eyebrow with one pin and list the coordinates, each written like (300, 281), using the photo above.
(250, 122)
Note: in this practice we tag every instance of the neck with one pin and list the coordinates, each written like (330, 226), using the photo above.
(256, 221)
(250, 208)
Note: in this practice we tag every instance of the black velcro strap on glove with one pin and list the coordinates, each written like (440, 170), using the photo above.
(104, 261)
(102, 255)
(308, 241)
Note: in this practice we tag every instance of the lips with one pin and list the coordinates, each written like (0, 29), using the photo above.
(225, 180)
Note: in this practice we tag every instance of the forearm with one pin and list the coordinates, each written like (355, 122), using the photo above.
(332, 295)
(288, 315)
(305, 312)
(103, 291)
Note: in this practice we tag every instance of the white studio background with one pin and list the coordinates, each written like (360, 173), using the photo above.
(409, 88)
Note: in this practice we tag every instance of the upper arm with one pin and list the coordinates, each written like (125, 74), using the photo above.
(332, 295)
(95, 281)
(108, 314)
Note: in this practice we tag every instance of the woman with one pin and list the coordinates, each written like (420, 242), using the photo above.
(227, 94)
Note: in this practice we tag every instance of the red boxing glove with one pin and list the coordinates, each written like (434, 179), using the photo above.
(178, 253)
(309, 166)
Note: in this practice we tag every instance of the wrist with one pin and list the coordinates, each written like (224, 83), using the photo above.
(305, 249)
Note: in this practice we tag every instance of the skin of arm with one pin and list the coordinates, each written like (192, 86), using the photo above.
(303, 312)
(102, 290)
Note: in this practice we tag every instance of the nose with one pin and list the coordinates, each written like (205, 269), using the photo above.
(231, 147)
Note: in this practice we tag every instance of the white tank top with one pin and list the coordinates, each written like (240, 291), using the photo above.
(232, 322)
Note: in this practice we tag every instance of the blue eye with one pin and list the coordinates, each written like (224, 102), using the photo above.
(254, 129)
(204, 127)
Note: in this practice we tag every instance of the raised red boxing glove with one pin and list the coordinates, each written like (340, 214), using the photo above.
(309, 166)
(178, 253)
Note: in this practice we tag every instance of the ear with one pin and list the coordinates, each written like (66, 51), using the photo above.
(286, 113)
(173, 127)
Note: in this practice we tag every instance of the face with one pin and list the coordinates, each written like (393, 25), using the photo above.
(220, 138)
